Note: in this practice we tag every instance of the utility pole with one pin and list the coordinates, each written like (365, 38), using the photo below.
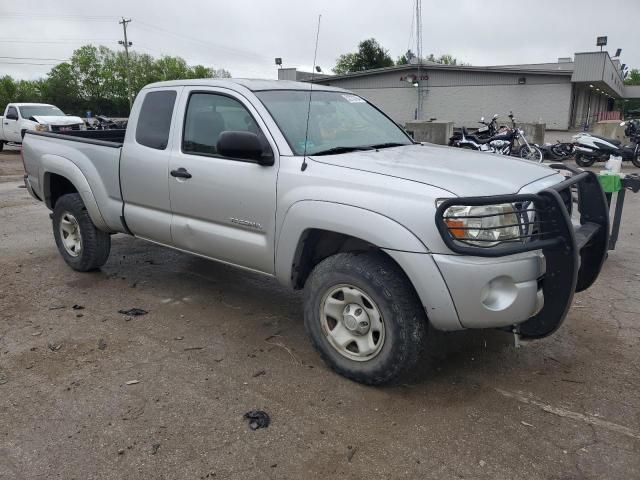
(419, 55)
(126, 43)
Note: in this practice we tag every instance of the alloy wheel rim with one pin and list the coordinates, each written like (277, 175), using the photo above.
(70, 234)
(352, 323)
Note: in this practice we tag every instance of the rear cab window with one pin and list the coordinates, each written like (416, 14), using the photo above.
(154, 120)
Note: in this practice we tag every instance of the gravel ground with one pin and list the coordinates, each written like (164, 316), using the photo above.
(218, 342)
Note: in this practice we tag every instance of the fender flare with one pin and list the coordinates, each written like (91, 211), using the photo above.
(357, 222)
(54, 164)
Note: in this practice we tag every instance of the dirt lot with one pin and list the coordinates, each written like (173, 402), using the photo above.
(218, 342)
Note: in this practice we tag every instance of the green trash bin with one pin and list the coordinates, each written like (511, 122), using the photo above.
(610, 183)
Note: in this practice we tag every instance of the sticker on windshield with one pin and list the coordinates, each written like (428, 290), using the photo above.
(353, 98)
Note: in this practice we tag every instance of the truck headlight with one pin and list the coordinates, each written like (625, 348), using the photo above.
(42, 128)
(483, 226)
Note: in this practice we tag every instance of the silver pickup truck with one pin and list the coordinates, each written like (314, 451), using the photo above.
(321, 190)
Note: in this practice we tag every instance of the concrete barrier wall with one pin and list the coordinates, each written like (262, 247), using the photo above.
(609, 129)
(533, 131)
(432, 132)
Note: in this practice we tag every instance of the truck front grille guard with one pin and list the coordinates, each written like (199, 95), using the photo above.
(574, 255)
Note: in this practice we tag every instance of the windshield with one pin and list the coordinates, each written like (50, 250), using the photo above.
(43, 110)
(338, 122)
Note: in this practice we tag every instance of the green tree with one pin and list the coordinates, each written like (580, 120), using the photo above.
(28, 91)
(370, 55)
(95, 79)
(7, 91)
(61, 87)
(445, 59)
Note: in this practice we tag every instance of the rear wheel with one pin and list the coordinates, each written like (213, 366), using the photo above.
(636, 156)
(583, 161)
(364, 317)
(80, 243)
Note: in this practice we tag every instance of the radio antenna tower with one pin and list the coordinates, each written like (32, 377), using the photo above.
(419, 30)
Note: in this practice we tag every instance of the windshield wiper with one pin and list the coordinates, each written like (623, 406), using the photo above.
(389, 145)
(338, 150)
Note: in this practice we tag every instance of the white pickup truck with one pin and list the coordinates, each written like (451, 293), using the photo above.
(41, 117)
(325, 193)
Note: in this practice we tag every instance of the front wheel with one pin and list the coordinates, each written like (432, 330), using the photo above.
(583, 161)
(364, 317)
(80, 243)
(531, 152)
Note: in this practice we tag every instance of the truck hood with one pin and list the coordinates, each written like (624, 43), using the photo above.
(461, 172)
(57, 120)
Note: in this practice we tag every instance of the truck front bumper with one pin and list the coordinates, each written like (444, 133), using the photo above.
(490, 292)
(509, 283)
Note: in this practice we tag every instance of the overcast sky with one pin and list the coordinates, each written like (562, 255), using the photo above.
(245, 36)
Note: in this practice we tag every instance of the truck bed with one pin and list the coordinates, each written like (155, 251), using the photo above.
(107, 138)
(90, 160)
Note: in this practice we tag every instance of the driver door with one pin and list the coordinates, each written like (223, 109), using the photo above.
(223, 208)
(11, 126)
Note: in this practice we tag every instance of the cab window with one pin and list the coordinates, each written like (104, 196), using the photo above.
(210, 114)
(12, 112)
(154, 121)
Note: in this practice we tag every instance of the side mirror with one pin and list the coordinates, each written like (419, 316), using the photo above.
(481, 119)
(495, 115)
(11, 116)
(244, 145)
(622, 124)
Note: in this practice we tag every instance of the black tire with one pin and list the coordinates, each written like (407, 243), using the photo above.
(583, 161)
(532, 153)
(404, 319)
(636, 156)
(95, 244)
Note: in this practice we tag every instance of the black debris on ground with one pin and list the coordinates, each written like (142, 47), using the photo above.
(257, 419)
(133, 312)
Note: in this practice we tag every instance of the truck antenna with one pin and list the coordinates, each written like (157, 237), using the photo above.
(313, 74)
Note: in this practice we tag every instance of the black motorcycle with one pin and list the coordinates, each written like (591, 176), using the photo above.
(507, 141)
(559, 151)
(487, 130)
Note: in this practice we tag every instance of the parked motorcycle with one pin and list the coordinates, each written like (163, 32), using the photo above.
(487, 130)
(559, 151)
(592, 148)
(507, 141)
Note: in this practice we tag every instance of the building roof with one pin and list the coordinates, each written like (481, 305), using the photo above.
(535, 68)
(250, 84)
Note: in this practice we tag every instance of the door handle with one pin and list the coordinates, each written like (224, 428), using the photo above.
(180, 173)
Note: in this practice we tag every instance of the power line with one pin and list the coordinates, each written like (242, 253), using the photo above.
(203, 42)
(27, 63)
(69, 41)
(33, 58)
(94, 18)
